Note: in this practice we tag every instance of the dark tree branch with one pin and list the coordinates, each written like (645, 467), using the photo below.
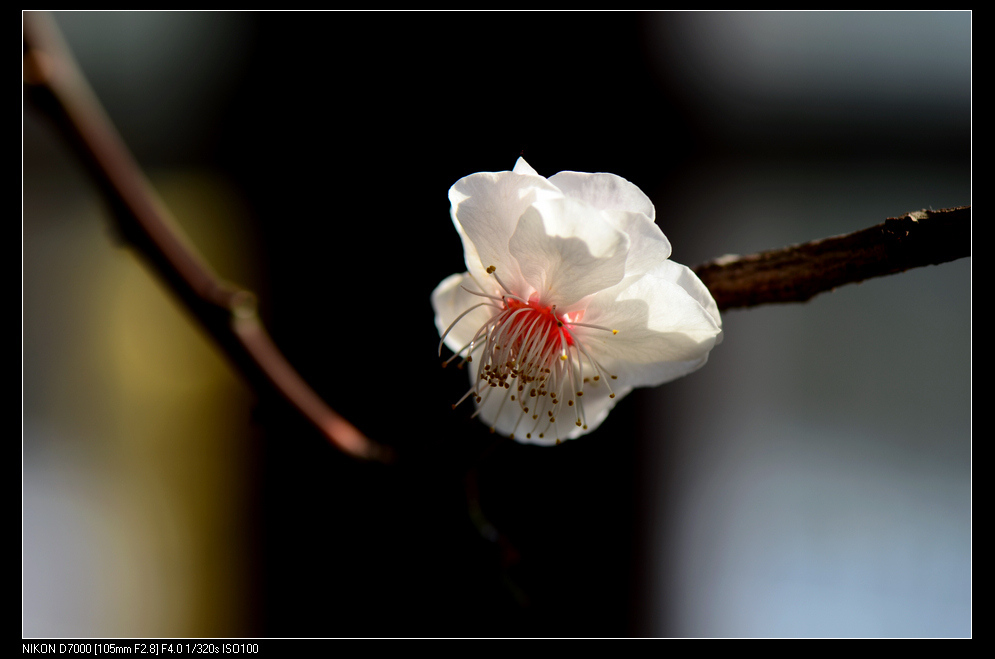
(55, 84)
(800, 272)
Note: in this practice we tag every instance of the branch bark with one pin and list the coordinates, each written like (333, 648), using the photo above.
(800, 272)
(228, 313)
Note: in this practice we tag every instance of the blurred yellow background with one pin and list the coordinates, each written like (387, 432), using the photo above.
(136, 466)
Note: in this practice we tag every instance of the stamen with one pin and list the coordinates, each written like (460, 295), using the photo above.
(597, 327)
(491, 270)
(493, 297)
(597, 365)
(465, 396)
(459, 318)
(535, 345)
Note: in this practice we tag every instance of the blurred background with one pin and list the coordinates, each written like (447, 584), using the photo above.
(814, 479)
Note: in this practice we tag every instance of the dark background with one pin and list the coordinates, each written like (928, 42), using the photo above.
(706, 507)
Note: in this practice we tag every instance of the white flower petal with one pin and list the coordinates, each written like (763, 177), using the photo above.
(664, 329)
(567, 251)
(449, 300)
(522, 167)
(684, 277)
(606, 192)
(627, 208)
(649, 248)
(486, 208)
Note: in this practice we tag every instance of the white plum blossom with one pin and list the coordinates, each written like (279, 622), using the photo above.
(569, 301)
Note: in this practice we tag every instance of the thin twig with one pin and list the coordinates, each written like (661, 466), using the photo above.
(799, 272)
(227, 312)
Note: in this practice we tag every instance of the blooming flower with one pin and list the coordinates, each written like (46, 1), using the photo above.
(568, 303)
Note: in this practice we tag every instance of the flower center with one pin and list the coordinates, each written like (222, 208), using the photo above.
(532, 358)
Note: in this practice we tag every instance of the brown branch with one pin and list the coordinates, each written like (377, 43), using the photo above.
(800, 272)
(55, 84)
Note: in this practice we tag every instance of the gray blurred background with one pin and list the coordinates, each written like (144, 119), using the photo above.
(814, 479)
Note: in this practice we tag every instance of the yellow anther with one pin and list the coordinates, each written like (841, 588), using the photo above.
(614, 331)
